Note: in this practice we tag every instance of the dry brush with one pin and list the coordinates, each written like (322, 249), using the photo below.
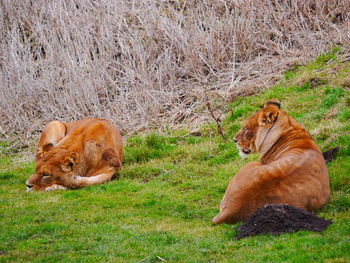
(143, 63)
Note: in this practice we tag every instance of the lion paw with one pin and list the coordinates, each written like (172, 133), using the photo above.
(55, 187)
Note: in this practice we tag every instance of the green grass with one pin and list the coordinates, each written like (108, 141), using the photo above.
(170, 187)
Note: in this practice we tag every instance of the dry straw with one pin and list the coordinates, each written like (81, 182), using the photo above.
(146, 63)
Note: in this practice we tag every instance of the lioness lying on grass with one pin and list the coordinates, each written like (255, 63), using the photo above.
(291, 170)
(76, 154)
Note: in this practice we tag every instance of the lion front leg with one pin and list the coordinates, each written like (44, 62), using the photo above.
(97, 176)
(55, 187)
(235, 202)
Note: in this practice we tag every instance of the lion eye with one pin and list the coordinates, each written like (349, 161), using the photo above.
(45, 175)
(248, 134)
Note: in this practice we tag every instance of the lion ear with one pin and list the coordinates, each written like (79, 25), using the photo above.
(44, 149)
(273, 102)
(47, 147)
(269, 113)
(70, 161)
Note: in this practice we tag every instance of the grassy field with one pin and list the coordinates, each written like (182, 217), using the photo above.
(160, 208)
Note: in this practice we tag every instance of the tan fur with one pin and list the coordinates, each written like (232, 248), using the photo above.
(76, 154)
(291, 170)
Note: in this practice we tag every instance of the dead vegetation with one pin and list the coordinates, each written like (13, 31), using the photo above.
(147, 63)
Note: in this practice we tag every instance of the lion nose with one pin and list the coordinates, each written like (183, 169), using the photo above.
(29, 187)
(235, 140)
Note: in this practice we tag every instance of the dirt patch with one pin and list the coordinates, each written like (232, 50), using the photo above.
(331, 154)
(280, 218)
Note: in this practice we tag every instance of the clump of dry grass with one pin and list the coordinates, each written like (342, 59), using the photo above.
(149, 63)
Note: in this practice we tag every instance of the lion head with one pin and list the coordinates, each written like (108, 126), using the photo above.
(253, 134)
(55, 168)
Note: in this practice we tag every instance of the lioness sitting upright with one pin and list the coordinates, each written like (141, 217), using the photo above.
(291, 170)
(76, 154)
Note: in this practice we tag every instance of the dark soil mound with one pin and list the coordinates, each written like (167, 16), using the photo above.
(280, 218)
(331, 154)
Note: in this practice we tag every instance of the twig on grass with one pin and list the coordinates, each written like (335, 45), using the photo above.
(216, 119)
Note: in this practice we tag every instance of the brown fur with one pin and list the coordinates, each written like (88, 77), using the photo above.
(76, 154)
(291, 170)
